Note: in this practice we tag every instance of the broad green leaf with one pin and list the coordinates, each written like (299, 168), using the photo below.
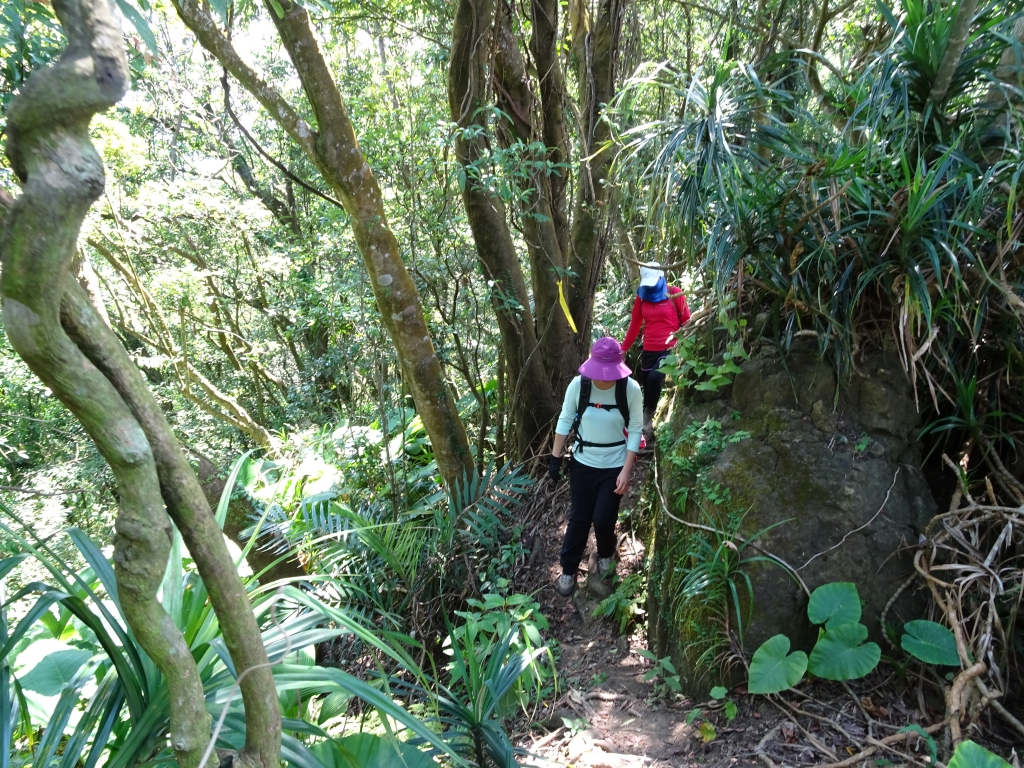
(100, 565)
(774, 668)
(242, 465)
(719, 692)
(930, 642)
(53, 666)
(836, 602)
(971, 755)
(839, 655)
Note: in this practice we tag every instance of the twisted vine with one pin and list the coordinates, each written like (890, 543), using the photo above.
(54, 327)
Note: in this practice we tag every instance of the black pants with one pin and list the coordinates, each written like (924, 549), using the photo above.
(594, 500)
(651, 378)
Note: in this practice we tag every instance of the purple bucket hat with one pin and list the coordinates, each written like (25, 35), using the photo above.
(605, 361)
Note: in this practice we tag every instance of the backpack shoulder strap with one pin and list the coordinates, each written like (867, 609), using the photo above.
(621, 401)
(584, 401)
(581, 405)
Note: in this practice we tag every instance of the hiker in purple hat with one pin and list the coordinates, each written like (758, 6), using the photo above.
(603, 412)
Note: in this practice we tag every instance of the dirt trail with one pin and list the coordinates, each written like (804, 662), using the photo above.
(601, 673)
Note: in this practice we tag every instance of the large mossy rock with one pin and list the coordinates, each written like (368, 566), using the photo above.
(840, 465)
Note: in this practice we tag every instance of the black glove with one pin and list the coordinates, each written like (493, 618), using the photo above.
(555, 467)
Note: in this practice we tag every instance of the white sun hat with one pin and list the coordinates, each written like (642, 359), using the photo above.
(650, 274)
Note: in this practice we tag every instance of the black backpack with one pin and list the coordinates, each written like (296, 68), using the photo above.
(584, 402)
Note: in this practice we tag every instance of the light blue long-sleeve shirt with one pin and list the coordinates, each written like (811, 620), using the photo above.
(602, 425)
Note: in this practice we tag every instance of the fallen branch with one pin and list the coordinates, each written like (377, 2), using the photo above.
(761, 754)
(810, 737)
(879, 744)
(607, 696)
(545, 740)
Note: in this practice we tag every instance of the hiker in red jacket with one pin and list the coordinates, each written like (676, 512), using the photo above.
(661, 311)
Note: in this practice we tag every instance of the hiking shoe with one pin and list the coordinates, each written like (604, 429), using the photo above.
(566, 585)
(605, 567)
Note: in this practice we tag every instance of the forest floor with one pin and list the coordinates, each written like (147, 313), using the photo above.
(606, 715)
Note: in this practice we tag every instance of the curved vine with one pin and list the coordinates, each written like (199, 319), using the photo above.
(54, 327)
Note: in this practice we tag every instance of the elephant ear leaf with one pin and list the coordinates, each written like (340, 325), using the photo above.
(840, 655)
(971, 755)
(834, 603)
(774, 669)
(930, 642)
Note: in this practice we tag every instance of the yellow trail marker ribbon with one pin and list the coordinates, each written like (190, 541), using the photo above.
(565, 307)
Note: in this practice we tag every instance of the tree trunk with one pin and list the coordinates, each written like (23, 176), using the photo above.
(954, 49)
(551, 82)
(530, 394)
(54, 327)
(483, 35)
(596, 73)
(543, 241)
(332, 147)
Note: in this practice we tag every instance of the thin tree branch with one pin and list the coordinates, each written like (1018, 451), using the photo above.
(266, 155)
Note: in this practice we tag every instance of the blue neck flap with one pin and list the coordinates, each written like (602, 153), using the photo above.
(653, 293)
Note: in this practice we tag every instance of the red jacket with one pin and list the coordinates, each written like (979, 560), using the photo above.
(660, 320)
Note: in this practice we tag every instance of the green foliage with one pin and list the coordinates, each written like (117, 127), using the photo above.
(623, 606)
(30, 38)
(930, 642)
(971, 755)
(825, 205)
(470, 709)
(663, 673)
(692, 360)
(384, 560)
(369, 750)
(774, 669)
(495, 618)
(709, 590)
(575, 725)
(703, 588)
(842, 654)
(700, 443)
(94, 666)
(598, 679)
(834, 603)
(839, 654)
(718, 693)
